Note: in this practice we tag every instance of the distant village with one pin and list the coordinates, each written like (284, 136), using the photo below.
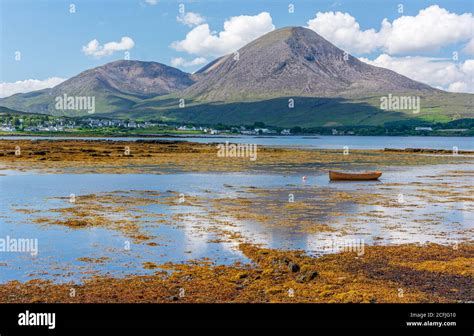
(64, 124)
(50, 124)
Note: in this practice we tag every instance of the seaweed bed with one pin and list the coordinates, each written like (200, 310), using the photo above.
(402, 273)
(160, 157)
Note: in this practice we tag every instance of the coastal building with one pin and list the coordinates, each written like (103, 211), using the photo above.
(423, 129)
(454, 130)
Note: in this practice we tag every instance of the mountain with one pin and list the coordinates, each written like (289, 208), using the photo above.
(326, 87)
(295, 61)
(115, 86)
(5, 110)
(290, 66)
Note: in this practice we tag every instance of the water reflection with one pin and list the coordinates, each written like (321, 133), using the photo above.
(196, 234)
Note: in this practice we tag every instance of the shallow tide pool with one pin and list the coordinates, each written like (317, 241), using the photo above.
(189, 232)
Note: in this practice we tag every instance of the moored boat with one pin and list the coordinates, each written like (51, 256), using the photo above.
(366, 176)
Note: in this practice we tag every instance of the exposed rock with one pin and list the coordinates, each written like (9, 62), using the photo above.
(293, 267)
(307, 276)
(294, 61)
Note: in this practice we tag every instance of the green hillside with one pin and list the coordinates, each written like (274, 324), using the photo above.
(307, 111)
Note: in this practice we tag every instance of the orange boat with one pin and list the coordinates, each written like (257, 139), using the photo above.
(336, 176)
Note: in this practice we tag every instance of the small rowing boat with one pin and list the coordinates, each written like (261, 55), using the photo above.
(336, 176)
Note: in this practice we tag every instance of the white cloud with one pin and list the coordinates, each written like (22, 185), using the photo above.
(343, 30)
(238, 31)
(181, 62)
(8, 89)
(468, 67)
(469, 47)
(93, 48)
(431, 29)
(191, 19)
(459, 87)
(437, 72)
(151, 2)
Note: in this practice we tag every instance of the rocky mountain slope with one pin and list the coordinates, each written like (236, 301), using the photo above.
(115, 86)
(328, 87)
(295, 61)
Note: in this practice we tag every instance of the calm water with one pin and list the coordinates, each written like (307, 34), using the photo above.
(195, 237)
(196, 234)
(326, 142)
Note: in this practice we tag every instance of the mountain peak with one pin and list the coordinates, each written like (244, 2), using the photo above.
(291, 62)
(129, 77)
(294, 61)
(291, 31)
(115, 85)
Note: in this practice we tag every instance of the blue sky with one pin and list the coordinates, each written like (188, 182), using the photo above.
(51, 40)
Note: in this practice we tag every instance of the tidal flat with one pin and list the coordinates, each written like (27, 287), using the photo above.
(169, 221)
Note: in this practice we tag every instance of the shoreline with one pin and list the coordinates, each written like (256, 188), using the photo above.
(160, 156)
(375, 276)
(383, 274)
(172, 135)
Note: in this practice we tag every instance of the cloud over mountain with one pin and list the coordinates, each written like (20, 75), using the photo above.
(238, 31)
(420, 33)
(181, 62)
(8, 89)
(438, 72)
(93, 48)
